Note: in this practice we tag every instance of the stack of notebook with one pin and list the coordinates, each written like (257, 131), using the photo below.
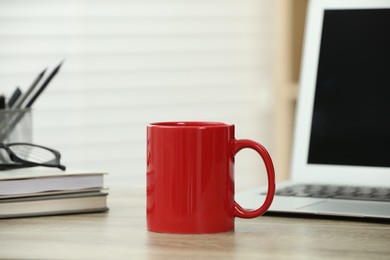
(40, 191)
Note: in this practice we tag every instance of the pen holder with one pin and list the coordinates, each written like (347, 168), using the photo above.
(15, 126)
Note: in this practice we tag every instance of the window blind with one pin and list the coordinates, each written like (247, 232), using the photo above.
(128, 63)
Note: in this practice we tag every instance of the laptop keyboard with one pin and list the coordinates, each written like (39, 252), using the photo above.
(336, 192)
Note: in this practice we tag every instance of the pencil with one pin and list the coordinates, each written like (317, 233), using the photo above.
(44, 85)
(20, 101)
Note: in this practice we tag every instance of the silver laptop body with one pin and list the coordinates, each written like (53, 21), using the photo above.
(341, 149)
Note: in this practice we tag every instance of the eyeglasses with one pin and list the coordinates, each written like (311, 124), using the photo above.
(21, 155)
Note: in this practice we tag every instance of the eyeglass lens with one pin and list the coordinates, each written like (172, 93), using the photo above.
(33, 153)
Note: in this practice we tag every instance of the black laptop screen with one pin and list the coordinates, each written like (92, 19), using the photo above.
(351, 117)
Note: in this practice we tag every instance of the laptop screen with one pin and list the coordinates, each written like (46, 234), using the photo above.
(351, 117)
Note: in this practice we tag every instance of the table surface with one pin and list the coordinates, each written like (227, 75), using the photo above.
(121, 234)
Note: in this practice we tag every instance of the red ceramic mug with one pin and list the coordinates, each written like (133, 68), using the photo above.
(190, 177)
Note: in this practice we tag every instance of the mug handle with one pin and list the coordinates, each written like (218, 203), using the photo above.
(240, 211)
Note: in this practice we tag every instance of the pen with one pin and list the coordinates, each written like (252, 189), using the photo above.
(14, 97)
(20, 101)
(2, 121)
(44, 85)
(2, 101)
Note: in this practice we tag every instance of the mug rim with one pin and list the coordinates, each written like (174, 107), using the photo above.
(189, 124)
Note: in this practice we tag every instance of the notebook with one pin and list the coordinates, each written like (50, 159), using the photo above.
(341, 143)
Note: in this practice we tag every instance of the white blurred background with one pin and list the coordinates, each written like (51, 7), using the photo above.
(132, 62)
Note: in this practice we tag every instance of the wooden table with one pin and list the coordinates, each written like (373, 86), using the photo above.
(121, 234)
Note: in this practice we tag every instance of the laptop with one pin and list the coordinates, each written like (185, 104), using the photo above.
(341, 144)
